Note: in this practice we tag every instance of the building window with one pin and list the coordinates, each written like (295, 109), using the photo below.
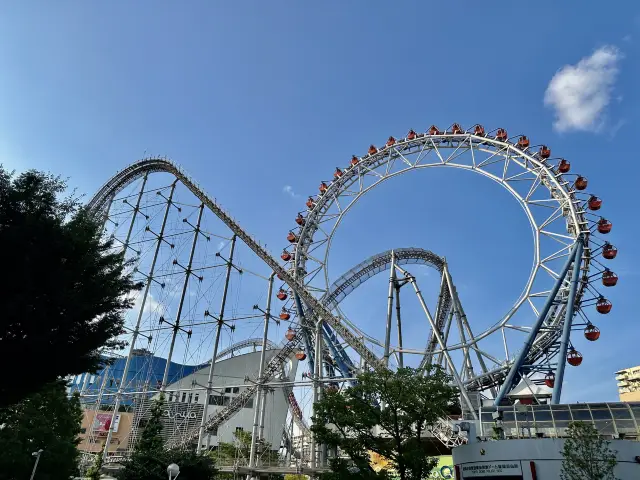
(226, 400)
(196, 397)
(236, 389)
(226, 390)
(92, 379)
(239, 429)
(216, 400)
(249, 403)
(184, 396)
(171, 396)
(78, 379)
(190, 398)
(214, 431)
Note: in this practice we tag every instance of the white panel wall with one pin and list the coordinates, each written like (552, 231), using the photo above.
(545, 452)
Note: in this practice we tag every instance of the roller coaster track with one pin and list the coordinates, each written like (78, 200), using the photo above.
(98, 205)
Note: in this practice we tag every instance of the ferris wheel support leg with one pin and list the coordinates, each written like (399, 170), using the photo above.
(344, 363)
(568, 321)
(216, 344)
(305, 327)
(387, 337)
(513, 377)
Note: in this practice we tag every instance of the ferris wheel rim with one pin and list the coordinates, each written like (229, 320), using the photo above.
(542, 171)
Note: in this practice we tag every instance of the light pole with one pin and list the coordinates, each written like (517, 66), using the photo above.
(173, 470)
(35, 466)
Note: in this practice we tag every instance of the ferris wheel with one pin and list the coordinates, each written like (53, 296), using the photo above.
(569, 257)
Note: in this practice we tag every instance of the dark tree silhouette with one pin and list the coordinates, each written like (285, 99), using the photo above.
(150, 459)
(46, 420)
(64, 289)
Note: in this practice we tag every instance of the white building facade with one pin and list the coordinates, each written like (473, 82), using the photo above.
(185, 401)
(532, 459)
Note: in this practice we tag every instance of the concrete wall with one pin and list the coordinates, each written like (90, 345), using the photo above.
(544, 452)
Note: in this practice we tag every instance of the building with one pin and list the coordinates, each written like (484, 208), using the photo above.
(531, 459)
(95, 427)
(145, 373)
(629, 384)
(524, 442)
(185, 399)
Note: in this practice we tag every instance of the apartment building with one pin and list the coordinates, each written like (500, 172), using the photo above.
(629, 384)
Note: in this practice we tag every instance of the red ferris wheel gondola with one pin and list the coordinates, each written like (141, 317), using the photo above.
(609, 279)
(604, 226)
(594, 203)
(609, 251)
(603, 306)
(574, 357)
(564, 166)
(591, 333)
(550, 380)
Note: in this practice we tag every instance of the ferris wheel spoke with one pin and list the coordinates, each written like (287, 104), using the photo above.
(518, 328)
(563, 252)
(559, 237)
(557, 214)
(404, 159)
(460, 150)
(492, 154)
(436, 150)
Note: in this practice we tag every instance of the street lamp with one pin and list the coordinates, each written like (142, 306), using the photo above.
(35, 466)
(173, 470)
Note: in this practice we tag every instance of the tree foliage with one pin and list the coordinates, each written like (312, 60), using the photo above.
(65, 290)
(46, 420)
(228, 453)
(586, 455)
(385, 413)
(149, 459)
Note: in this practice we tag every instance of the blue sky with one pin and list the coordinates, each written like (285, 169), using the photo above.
(261, 100)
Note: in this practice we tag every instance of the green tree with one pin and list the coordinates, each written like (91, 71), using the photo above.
(149, 459)
(47, 420)
(385, 413)
(586, 455)
(228, 453)
(65, 291)
(94, 471)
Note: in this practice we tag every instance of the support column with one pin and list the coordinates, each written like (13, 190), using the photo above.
(387, 337)
(400, 354)
(317, 394)
(136, 330)
(443, 346)
(514, 373)
(568, 321)
(256, 407)
(185, 285)
(216, 344)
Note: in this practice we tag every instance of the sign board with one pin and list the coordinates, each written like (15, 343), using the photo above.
(511, 469)
(102, 422)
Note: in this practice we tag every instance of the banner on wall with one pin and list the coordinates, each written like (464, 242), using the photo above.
(102, 422)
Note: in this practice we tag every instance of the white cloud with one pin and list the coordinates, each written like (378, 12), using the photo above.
(151, 305)
(580, 93)
(288, 189)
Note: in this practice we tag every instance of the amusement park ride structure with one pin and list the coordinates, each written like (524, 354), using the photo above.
(568, 260)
